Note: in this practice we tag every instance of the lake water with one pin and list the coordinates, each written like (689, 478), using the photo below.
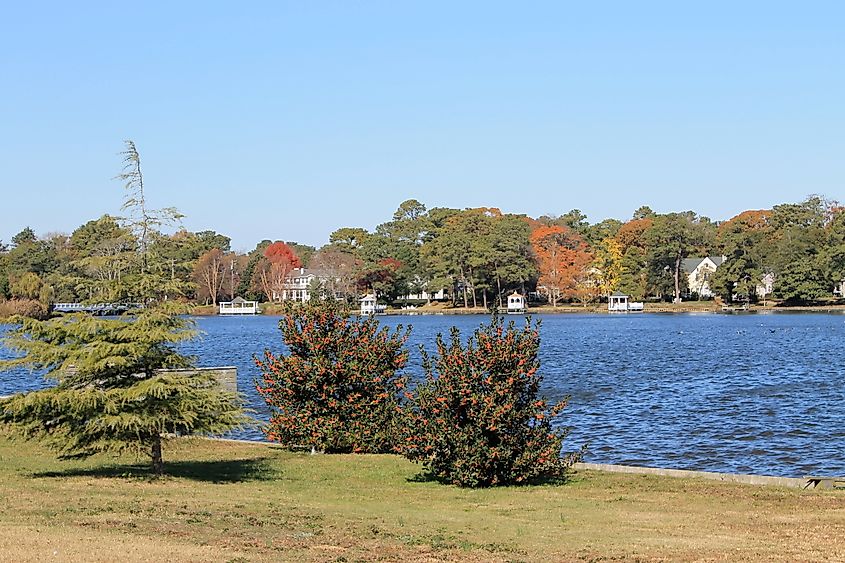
(747, 393)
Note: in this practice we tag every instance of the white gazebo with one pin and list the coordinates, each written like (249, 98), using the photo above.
(239, 306)
(516, 304)
(618, 302)
(370, 305)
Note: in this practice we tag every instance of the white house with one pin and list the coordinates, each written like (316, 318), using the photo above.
(765, 286)
(839, 289)
(301, 281)
(699, 271)
(298, 286)
(424, 295)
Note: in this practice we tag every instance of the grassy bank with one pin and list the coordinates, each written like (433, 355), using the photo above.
(229, 501)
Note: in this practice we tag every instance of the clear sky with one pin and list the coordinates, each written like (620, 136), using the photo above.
(287, 120)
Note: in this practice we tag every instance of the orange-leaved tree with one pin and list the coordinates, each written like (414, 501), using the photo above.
(563, 259)
(272, 271)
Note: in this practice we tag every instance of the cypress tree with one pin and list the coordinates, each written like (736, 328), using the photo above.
(112, 393)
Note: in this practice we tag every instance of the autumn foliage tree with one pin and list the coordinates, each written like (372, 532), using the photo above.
(608, 265)
(563, 259)
(273, 269)
(209, 274)
(478, 420)
(338, 388)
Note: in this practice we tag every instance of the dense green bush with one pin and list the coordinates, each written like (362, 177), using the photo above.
(477, 419)
(338, 389)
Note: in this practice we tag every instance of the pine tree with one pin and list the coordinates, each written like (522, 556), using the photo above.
(113, 392)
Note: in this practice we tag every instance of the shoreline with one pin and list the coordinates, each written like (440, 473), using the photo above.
(668, 308)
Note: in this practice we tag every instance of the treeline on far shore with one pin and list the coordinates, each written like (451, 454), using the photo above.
(796, 251)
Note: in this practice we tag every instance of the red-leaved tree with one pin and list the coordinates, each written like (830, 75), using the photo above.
(272, 271)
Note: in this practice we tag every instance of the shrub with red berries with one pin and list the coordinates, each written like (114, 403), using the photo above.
(338, 389)
(477, 420)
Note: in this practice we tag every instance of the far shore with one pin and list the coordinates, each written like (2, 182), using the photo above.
(600, 308)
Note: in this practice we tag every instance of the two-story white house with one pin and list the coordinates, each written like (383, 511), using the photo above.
(298, 286)
(699, 271)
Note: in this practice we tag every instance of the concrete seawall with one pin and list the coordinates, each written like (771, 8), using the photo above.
(790, 482)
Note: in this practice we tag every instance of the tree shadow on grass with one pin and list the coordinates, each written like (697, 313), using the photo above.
(218, 472)
(542, 481)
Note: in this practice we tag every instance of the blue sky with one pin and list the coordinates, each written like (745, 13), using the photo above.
(286, 120)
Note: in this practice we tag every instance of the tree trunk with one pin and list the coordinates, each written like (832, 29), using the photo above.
(678, 279)
(464, 283)
(474, 302)
(158, 462)
(498, 287)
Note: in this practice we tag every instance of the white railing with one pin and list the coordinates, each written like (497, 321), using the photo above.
(245, 308)
(624, 307)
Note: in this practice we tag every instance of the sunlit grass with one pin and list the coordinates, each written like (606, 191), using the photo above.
(227, 501)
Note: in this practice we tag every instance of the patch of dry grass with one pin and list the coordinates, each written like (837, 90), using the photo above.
(226, 501)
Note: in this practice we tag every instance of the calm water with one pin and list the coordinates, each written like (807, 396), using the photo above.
(749, 393)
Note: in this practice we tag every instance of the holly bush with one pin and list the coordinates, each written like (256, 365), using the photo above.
(477, 419)
(338, 388)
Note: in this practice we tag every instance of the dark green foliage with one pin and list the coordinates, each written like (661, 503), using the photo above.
(633, 278)
(802, 281)
(338, 388)
(110, 394)
(26, 236)
(478, 420)
(672, 238)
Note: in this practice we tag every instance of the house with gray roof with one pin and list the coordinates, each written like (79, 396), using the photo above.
(699, 271)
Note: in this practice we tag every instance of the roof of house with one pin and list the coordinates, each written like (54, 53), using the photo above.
(688, 265)
(306, 272)
(239, 300)
(618, 294)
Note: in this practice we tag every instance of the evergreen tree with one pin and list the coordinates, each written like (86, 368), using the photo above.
(116, 386)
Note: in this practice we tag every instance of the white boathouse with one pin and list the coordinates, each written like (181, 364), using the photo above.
(239, 306)
(618, 302)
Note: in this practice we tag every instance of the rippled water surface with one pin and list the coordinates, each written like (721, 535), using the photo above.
(753, 393)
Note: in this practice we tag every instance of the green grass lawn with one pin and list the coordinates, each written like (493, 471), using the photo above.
(227, 501)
